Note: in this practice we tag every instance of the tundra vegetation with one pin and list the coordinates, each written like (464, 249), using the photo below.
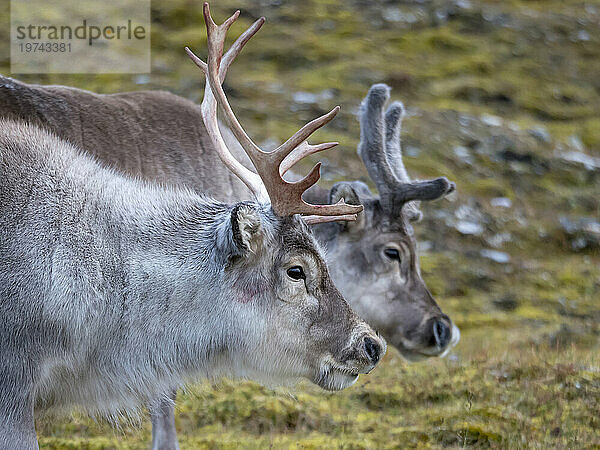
(504, 98)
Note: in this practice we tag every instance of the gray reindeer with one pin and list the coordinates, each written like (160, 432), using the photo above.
(373, 260)
(114, 290)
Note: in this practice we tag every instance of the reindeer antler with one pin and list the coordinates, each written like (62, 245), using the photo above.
(286, 198)
(380, 151)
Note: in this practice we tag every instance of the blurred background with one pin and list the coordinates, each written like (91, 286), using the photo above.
(503, 98)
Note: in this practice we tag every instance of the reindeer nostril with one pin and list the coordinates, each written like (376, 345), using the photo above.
(373, 349)
(441, 332)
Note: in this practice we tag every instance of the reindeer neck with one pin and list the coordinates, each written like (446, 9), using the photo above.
(134, 268)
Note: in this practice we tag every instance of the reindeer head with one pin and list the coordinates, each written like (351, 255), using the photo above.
(293, 321)
(374, 259)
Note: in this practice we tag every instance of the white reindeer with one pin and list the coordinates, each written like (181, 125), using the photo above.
(113, 290)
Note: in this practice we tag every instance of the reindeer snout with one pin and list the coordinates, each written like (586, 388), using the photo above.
(373, 349)
(365, 350)
(441, 332)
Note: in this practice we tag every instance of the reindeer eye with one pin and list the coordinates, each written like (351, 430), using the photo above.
(392, 253)
(296, 273)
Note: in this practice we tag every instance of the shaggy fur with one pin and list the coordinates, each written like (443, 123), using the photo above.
(113, 290)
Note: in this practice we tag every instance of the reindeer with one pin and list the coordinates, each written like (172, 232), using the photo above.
(114, 290)
(161, 137)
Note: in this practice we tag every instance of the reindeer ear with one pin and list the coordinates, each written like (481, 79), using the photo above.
(353, 193)
(344, 190)
(413, 212)
(247, 227)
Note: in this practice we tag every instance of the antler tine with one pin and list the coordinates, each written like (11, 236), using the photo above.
(209, 106)
(393, 151)
(302, 134)
(286, 198)
(312, 220)
(216, 38)
(380, 150)
(371, 146)
(408, 190)
(301, 152)
(238, 45)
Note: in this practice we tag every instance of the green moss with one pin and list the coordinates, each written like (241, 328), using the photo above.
(590, 134)
(524, 376)
(99, 443)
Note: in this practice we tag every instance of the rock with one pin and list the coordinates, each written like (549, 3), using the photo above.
(468, 220)
(312, 98)
(424, 246)
(575, 142)
(394, 14)
(495, 255)
(501, 202)
(589, 162)
(464, 4)
(492, 121)
(142, 79)
(465, 227)
(541, 134)
(581, 35)
(499, 239)
(411, 151)
(305, 97)
(583, 232)
(464, 154)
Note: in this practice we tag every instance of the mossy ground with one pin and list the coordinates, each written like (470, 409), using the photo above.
(479, 79)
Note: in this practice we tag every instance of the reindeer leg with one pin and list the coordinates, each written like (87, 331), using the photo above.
(164, 434)
(17, 425)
